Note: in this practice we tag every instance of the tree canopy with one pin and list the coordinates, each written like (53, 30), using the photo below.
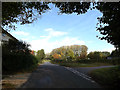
(70, 52)
(98, 55)
(111, 17)
(22, 12)
(27, 12)
(40, 54)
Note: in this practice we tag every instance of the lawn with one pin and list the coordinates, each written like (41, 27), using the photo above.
(107, 77)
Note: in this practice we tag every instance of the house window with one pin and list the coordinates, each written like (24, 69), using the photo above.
(3, 34)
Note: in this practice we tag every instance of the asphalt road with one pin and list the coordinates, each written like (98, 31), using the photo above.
(54, 76)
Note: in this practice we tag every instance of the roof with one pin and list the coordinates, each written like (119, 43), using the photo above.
(4, 31)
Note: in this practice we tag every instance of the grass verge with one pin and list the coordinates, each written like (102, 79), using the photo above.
(107, 77)
(77, 64)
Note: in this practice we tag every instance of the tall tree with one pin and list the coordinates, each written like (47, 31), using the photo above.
(40, 54)
(109, 23)
(69, 55)
(83, 53)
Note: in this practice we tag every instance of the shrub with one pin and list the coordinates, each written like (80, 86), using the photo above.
(17, 58)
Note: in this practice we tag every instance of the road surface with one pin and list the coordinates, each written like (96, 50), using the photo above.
(54, 76)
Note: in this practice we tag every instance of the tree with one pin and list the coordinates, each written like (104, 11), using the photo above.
(16, 57)
(83, 53)
(111, 17)
(115, 53)
(15, 47)
(69, 55)
(108, 26)
(22, 12)
(91, 55)
(40, 54)
(105, 54)
(27, 12)
(70, 52)
(56, 56)
(72, 7)
(98, 55)
(95, 55)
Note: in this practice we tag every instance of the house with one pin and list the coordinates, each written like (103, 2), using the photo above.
(5, 36)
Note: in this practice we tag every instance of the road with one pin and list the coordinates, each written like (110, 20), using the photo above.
(54, 76)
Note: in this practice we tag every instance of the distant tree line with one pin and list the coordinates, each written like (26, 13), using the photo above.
(98, 55)
(73, 52)
(103, 55)
(79, 52)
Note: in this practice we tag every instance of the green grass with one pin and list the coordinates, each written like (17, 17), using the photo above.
(77, 64)
(83, 64)
(107, 77)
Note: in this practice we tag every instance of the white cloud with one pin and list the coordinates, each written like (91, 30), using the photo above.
(24, 39)
(20, 33)
(54, 33)
(45, 44)
(43, 36)
(71, 41)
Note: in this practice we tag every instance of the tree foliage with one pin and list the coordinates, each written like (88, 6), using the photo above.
(16, 57)
(72, 7)
(15, 47)
(115, 53)
(22, 12)
(70, 52)
(111, 17)
(25, 12)
(40, 54)
(98, 55)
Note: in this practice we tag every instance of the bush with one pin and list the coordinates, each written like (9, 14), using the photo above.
(111, 61)
(17, 58)
(18, 62)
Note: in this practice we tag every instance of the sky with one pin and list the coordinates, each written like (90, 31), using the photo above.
(52, 31)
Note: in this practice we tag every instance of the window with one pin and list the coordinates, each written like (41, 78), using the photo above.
(3, 34)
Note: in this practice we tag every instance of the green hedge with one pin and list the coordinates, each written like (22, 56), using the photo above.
(15, 62)
(109, 61)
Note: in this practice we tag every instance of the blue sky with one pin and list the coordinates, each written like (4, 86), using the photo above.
(52, 31)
